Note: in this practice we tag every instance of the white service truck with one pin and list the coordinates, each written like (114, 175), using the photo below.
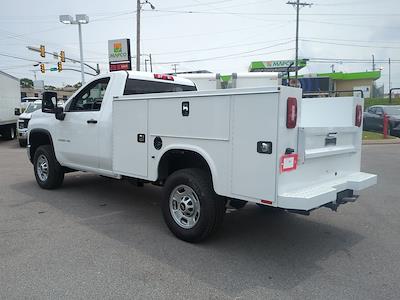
(10, 105)
(208, 149)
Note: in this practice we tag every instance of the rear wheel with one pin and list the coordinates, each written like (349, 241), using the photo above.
(48, 172)
(9, 132)
(191, 208)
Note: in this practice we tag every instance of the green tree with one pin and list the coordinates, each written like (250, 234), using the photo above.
(26, 83)
(49, 88)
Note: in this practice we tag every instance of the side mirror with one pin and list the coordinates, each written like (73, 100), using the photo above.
(379, 113)
(49, 102)
(17, 111)
(59, 112)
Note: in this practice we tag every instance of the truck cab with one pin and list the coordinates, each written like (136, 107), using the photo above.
(84, 137)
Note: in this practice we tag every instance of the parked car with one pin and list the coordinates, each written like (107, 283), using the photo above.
(23, 121)
(26, 100)
(373, 119)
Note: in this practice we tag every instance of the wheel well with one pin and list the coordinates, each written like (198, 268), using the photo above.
(174, 160)
(37, 139)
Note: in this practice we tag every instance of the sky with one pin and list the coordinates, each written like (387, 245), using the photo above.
(221, 36)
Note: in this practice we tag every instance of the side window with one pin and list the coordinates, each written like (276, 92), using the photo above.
(136, 86)
(372, 110)
(91, 97)
(379, 111)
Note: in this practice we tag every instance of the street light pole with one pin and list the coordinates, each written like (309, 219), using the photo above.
(79, 20)
(138, 10)
(81, 53)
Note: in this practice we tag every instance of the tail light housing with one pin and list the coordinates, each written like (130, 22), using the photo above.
(358, 115)
(164, 77)
(291, 113)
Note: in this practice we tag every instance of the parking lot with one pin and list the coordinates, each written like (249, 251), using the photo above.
(101, 238)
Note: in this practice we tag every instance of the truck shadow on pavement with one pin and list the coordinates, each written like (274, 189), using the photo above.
(253, 249)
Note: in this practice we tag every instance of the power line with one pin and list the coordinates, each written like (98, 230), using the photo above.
(349, 45)
(231, 56)
(19, 57)
(223, 47)
(276, 13)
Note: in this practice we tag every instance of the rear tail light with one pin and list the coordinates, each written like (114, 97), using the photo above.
(291, 116)
(358, 115)
(164, 77)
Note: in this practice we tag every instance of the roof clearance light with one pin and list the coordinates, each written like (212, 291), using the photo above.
(164, 77)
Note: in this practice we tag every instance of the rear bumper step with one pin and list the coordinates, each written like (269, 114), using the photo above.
(330, 194)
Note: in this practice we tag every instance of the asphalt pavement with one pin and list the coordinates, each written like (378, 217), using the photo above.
(98, 238)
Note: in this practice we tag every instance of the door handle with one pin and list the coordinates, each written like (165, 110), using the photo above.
(91, 121)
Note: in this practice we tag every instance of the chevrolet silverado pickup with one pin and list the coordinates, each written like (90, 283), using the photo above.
(208, 149)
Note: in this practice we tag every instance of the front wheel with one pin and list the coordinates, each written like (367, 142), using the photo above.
(9, 132)
(48, 172)
(191, 208)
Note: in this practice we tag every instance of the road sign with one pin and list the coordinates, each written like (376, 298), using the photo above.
(119, 55)
(277, 65)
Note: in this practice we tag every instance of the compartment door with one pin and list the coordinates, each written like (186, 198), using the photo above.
(254, 121)
(130, 138)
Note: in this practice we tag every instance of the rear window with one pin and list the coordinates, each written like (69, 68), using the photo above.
(136, 86)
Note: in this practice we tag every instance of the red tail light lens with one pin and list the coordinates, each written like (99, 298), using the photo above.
(291, 116)
(358, 115)
(164, 77)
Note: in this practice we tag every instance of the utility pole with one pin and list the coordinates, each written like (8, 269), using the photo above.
(174, 66)
(373, 62)
(138, 8)
(151, 63)
(297, 4)
(390, 75)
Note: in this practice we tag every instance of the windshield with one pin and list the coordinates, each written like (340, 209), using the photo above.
(392, 110)
(33, 107)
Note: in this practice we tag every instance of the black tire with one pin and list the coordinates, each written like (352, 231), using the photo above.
(22, 143)
(9, 133)
(237, 204)
(55, 173)
(212, 206)
(389, 129)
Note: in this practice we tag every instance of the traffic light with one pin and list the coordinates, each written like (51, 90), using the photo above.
(59, 66)
(62, 56)
(42, 68)
(42, 51)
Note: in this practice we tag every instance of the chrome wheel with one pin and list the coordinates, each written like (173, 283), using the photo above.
(12, 133)
(184, 206)
(42, 168)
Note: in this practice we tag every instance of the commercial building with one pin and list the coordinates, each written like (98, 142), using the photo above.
(63, 93)
(324, 83)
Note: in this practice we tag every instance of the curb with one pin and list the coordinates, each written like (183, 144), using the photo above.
(381, 142)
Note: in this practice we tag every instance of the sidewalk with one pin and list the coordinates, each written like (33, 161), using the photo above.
(381, 142)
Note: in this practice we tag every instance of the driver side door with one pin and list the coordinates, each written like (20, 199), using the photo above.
(78, 134)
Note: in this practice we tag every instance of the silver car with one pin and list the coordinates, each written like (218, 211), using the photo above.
(22, 126)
